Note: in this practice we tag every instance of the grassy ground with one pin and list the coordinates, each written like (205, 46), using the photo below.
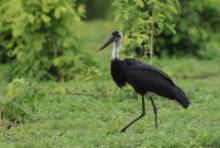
(90, 113)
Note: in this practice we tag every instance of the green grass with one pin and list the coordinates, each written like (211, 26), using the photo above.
(90, 113)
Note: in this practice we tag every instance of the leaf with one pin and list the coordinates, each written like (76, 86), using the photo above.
(170, 27)
(30, 18)
(59, 11)
(45, 18)
(17, 30)
(38, 40)
(139, 3)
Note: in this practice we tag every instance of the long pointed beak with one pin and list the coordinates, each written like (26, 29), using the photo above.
(106, 43)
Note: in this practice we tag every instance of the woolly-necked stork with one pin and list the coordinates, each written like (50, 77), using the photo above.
(144, 78)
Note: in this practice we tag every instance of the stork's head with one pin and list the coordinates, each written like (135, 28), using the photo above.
(115, 37)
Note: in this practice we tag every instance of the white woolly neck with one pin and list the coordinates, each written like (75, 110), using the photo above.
(116, 49)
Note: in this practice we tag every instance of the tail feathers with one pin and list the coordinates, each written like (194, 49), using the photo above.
(181, 97)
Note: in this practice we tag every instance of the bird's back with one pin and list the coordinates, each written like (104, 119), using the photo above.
(146, 78)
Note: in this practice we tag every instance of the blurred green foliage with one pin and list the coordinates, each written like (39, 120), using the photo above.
(40, 35)
(136, 18)
(95, 9)
(197, 27)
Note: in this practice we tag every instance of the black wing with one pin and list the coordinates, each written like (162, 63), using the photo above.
(136, 65)
(146, 78)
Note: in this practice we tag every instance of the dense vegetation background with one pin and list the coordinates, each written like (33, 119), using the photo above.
(55, 91)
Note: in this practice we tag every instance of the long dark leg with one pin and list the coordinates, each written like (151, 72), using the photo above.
(136, 119)
(155, 111)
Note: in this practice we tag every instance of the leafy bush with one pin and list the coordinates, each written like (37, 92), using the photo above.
(20, 100)
(40, 36)
(142, 18)
(196, 28)
(196, 25)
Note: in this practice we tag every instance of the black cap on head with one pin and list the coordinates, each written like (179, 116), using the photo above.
(117, 34)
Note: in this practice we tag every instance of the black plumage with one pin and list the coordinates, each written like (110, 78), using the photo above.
(144, 78)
